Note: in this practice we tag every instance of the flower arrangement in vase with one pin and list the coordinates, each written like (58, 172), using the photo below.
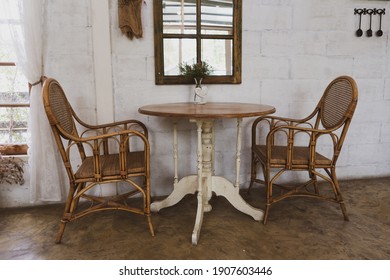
(197, 71)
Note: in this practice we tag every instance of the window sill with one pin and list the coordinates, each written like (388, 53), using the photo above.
(13, 149)
(24, 158)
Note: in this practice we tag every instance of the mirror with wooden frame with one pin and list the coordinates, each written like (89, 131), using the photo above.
(191, 31)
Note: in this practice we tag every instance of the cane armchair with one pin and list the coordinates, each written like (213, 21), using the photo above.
(101, 154)
(282, 147)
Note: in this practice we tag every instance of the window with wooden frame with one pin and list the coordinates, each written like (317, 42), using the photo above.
(191, 31)
(14, 99)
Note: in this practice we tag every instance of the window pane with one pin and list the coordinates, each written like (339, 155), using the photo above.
(13, 125)
(179, 17)
(218, 53)
(6, 55)
(217, 17)
(14, 96)
(177, 51)
(13, 86)
(13, 120)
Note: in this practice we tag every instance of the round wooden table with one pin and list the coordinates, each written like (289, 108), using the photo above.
(205, 182)
(211, 110)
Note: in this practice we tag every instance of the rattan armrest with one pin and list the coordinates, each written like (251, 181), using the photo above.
(96, 143)
(114, 124)
(291, 131)
(112, 134)
(275, 121)
(300, 128)
(105, 127)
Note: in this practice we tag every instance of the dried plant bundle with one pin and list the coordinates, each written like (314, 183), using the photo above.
(11, 170)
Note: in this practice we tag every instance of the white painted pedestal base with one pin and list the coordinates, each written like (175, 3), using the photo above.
(205, 183)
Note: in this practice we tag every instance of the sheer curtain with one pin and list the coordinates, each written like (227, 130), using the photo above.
(46, 172)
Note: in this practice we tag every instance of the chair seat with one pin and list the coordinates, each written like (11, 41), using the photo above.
(110, 165)
(301, 156)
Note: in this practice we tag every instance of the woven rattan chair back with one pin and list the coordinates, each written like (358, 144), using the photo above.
(58, 109)
(338, 102)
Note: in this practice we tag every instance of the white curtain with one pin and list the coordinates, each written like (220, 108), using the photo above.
(46, 171)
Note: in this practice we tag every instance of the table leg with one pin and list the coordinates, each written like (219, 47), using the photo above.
(206, 146)
(201, 186)
(175, 153)
(205, 170)
(223, 187)
(238, 152)
(187, 185)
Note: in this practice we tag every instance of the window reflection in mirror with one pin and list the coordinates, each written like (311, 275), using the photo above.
(191, 31)
(179, 17)
(218, 53)
(177, 50)
(217, 17)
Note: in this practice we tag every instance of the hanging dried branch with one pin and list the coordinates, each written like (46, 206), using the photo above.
(11, 170)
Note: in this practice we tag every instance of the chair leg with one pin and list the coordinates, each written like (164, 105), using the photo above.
(253, 172)
(268, 185)
(66, 214)
(60, 232)
(146, 184)
(313, 177)
(339, 195)
(344, 210)
(150, 225)
(81, 187)
(266, 214)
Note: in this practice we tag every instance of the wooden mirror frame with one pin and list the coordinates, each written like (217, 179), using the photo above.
(236, 37)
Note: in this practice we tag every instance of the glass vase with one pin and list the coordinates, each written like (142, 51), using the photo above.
(200, 92)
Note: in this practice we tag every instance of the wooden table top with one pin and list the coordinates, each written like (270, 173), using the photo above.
(209, 110)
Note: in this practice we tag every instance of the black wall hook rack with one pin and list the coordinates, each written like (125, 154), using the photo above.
(370, 12)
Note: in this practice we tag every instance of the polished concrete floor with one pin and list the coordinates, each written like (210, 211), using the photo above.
(297, 229)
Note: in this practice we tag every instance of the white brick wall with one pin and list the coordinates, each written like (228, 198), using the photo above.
(291, 51)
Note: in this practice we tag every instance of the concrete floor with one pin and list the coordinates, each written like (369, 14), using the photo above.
(297, 229)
